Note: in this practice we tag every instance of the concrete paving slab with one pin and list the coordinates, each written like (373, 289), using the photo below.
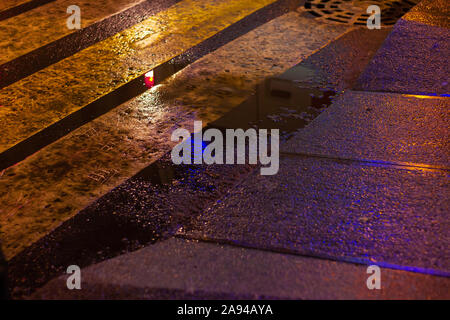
(338, 210)
(413, 59)
(183, 269)
(380, 127)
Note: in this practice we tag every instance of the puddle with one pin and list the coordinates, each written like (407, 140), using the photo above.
(287, 102)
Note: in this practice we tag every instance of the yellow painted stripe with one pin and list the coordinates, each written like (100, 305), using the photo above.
(49, 95)
(47, 23)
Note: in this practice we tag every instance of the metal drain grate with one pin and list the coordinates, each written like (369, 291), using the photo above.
(354, 11)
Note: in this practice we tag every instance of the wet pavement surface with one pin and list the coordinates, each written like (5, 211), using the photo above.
(149, 207)
(277, 104)
(338, 210)
(183, 269)
(13, 8)
(110, 149)
(38, 101)
(413, 57)
(406, 129)
(8, 4)
(47, 23)
(137, 86)
(353, 185)
(162, 175)
(23, 64)
(363, 177)
(430, 12)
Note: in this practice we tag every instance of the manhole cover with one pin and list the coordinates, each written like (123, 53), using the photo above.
(355, 11)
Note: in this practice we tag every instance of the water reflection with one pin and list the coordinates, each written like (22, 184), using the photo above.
(285, 103)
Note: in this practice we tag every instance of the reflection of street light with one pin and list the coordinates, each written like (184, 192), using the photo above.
(418, 96)
(149, 79)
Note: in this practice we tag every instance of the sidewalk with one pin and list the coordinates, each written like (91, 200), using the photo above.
(365, 183)
(182, 269)
(413, 59)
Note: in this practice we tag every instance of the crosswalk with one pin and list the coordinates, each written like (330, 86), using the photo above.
(51, 185)
(36, 102)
